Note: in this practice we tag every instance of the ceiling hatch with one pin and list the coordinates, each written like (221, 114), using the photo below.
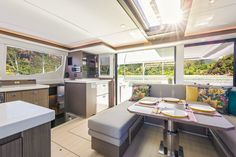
(158, 18)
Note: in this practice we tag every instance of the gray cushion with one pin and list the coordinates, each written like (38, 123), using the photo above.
(108, 139)
(113, 122)
(229, 137)
(167, 90)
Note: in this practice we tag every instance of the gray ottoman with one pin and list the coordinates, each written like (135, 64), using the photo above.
(113, 129)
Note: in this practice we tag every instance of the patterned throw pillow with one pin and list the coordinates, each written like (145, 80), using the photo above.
(139, 92)
(216, 97)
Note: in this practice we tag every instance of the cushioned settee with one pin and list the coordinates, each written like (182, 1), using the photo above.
(113, 130)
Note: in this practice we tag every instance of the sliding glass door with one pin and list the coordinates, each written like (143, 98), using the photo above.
(147, 66)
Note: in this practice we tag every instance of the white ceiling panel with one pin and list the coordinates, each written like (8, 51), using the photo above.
(207, 17)
(19, 16)
(99, 49)
(125, 38)
(98, 17)
(69, 22)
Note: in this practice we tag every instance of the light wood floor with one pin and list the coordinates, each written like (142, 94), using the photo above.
(72, 140)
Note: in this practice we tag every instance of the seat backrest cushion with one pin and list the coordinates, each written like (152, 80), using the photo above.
(167, 90)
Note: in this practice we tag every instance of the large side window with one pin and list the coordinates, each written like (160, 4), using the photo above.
(209, 64)
(151, 66)
(26, 62)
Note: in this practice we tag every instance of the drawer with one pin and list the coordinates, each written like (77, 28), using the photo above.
(102, 88)
(13, 96)
(102, 99)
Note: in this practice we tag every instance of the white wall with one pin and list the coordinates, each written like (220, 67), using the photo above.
(179, 64)
(53, 77)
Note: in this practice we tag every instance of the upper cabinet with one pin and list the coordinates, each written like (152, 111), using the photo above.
(106, 66)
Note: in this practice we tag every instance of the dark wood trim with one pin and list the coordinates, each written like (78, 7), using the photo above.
(91, 45)
(32, 38)
(48, 42)
(16, 82)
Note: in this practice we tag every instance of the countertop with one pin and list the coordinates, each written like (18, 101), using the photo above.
(12, 88)
(18, 116)
(87, 81)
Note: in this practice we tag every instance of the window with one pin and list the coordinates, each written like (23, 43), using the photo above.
(209, 64)
(26, 62)
(147, 66)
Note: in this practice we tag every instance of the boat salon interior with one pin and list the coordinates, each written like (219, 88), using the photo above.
(117, 78)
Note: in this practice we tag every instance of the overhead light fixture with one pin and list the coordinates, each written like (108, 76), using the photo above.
(122, 25)
(212, 1)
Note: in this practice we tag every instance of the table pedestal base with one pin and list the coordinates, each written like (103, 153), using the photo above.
(170, 144)
(164, 151)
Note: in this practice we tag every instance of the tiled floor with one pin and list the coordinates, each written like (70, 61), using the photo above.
(72, 140)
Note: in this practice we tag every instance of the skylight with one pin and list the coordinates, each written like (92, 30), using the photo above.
(159, 17)
(158, 12)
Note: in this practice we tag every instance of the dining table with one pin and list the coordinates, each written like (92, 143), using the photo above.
(169, 145)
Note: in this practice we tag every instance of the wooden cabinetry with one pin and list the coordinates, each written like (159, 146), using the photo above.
(38, 97)
(13, 96)
(35, 142)
(12, 149)
(80, 98)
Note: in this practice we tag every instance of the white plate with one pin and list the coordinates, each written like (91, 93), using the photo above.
(171, 99)
(175, 113)
(148, 101)
(203, 108)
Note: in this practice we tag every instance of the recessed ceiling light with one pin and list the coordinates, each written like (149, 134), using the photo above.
(122, 25)
(212, 1)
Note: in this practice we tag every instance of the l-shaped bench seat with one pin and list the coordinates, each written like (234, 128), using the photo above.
(113, 129)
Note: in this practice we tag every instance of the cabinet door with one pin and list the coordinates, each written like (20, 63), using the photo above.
(42, 98)
(28, 96)
(13, 96)
(12, 149)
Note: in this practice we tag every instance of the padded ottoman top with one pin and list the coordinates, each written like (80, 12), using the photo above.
(113, 122)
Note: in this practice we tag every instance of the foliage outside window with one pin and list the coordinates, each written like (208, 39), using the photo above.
(213, 71)
(104, 65)
(26, 62)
